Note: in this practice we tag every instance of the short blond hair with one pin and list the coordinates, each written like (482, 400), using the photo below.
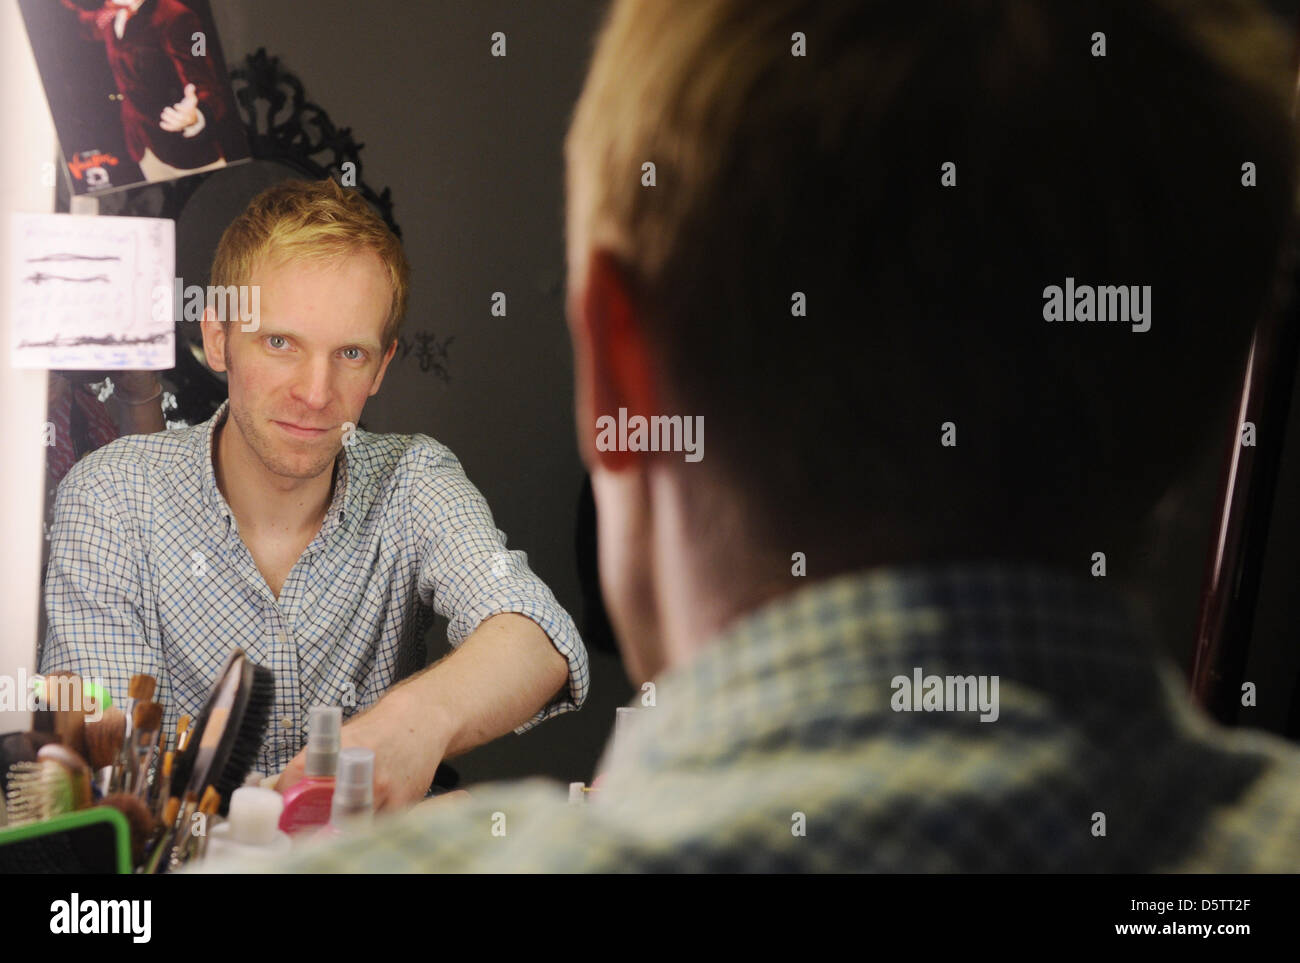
(311, 220)
(799, 147)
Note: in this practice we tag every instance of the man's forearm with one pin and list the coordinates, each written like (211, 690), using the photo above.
(496, 680)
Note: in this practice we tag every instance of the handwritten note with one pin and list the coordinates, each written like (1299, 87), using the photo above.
(92, 292)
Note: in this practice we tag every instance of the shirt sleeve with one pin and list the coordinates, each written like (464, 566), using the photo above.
(178, 39)
(95, 599)
(467, 575)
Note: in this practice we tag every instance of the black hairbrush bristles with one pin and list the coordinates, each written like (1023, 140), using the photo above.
(259, 683)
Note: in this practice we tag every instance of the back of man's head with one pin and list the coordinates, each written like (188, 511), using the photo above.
(858, 210)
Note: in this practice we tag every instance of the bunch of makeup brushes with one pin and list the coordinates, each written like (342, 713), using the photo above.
(121, 759)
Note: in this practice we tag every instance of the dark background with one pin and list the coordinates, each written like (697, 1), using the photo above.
(471, 147)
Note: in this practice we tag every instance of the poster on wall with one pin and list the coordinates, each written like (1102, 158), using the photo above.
(138, 90)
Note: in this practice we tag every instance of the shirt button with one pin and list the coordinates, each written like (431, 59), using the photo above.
(286, 723)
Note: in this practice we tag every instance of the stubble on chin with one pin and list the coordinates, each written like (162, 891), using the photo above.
(280, 458)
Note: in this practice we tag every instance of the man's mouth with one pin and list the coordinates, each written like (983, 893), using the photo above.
(299, 431)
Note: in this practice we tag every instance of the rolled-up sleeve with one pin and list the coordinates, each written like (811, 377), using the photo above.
(467, 574)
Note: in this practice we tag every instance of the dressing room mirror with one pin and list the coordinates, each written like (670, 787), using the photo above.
(290, 137)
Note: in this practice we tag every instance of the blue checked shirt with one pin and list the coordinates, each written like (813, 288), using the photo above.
(783, 747)
(148, 574)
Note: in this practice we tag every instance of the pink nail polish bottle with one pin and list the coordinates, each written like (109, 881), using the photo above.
(307, 803)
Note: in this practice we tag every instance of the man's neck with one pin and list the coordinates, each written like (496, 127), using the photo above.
(704, 585)
(266, 504)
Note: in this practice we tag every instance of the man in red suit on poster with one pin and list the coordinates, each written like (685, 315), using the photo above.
(172, 99)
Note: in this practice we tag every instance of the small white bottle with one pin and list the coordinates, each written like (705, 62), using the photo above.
(252, 829)
(353, 806)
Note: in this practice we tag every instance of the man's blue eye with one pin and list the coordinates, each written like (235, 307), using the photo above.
(273, 338)
(358, 350)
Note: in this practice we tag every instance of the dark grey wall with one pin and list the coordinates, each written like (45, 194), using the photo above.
(471, 147)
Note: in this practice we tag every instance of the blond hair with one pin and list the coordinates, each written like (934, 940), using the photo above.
(316, 221)
(799, 148)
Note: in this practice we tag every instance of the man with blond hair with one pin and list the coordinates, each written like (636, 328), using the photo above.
(830, 228)
(281, 527)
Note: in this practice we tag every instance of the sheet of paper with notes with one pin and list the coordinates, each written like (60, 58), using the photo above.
(92, 292)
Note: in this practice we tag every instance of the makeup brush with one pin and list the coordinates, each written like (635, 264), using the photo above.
(164, 783)
(208, 806)
(162, 835)
(104, 740)
(176, 843)
(144, 741)
(138, 818)
(62, 715)
(139, 689)
(182, 733)
(70, 726)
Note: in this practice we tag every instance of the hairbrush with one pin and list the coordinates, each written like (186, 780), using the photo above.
(221, 747)
(56, 782)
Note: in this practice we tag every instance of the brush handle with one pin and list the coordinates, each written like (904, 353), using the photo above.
(179, 850)
(104, 781)
(124, 767)
(146, 744)
(164, 792)
(163, 858)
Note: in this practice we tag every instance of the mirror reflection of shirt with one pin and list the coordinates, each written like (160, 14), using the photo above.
(148, 574)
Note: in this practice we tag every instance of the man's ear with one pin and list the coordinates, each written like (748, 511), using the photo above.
(214, 340)
(612, 365)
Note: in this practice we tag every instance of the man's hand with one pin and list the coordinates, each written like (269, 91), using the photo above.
(493, 682)
(183, 114)
(407, 751)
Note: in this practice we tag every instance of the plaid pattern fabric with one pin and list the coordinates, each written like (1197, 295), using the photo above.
(779, 749)
(147, 573)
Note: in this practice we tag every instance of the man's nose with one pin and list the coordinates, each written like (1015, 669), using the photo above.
(312, 387)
